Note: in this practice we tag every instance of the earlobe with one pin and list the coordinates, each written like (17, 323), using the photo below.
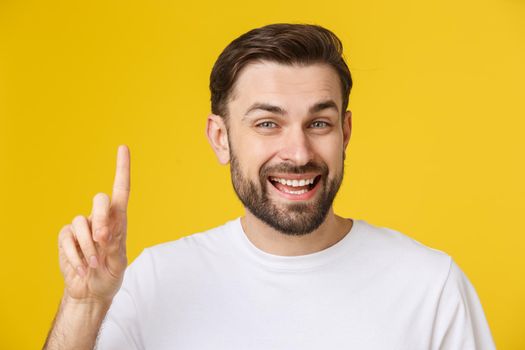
(217, 135)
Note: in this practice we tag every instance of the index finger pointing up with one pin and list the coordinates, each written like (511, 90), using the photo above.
(121, 186)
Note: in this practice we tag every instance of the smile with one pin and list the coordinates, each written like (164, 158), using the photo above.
(296, 187)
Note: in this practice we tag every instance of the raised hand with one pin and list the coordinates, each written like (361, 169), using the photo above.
(92, 250)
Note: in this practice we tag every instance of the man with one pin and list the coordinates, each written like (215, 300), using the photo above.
(290, 274)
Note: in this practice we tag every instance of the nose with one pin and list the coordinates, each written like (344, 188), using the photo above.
(296, 147)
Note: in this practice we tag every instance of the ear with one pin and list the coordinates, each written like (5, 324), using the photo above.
(218, 138)
(347, 128)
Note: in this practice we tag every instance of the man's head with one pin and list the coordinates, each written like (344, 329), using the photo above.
(287, 44)
(279, 98)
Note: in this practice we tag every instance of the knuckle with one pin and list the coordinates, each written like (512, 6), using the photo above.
(64, 230)
(84, 238)
(101, 196)
(81, 231)
(79, 219)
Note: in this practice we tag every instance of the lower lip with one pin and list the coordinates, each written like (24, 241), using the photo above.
(296, 197)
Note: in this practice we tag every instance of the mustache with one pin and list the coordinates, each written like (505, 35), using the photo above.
(310, 167)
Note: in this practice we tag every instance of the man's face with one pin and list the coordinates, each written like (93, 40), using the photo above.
(287, 143)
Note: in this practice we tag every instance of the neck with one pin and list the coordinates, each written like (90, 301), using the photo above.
(271, 241)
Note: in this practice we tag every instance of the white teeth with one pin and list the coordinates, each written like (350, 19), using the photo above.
(296, 192)
(293, 183)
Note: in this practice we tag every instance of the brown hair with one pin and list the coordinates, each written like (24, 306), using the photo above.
(284, 43)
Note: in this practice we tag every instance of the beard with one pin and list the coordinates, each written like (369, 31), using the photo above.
(294, 219)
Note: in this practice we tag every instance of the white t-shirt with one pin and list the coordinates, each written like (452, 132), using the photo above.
(374, 289)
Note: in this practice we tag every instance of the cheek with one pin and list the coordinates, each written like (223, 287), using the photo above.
(332, 154)
(255, 149)
(254, 154)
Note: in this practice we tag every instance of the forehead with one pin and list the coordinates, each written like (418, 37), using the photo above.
(271, 82)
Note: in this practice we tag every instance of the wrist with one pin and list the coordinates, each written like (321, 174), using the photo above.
(94, 307)
(87, 302)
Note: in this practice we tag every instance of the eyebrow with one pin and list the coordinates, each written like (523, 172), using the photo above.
(265, 107)
(321, 106)
(316, 108)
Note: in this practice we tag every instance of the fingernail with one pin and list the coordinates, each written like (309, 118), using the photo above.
(110, 237)
(95, 235)
(81, 272)
(93, 262)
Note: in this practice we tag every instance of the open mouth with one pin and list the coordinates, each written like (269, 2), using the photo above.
(297, 186)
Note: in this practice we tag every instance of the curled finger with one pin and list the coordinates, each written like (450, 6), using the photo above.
(83, 236)
(69, 247)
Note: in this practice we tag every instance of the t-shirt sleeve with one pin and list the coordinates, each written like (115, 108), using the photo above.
(460, 321)
(122, 325)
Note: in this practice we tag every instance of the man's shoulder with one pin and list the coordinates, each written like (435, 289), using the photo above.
(394, 239)
(174, 260)
(211, 240)
(392, 246)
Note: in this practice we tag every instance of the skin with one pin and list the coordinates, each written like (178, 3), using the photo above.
(92, 250)
(92, 258)
(291, 134)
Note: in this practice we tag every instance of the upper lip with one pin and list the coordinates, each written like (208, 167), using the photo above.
(294, 176)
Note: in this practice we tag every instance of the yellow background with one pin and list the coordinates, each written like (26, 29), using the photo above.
(437, 148)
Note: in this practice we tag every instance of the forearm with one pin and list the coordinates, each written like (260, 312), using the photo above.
(76, 325)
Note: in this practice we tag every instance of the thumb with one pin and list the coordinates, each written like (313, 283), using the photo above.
(100, 218)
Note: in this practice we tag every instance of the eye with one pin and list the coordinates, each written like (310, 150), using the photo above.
(318, 124)
(266, 125)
